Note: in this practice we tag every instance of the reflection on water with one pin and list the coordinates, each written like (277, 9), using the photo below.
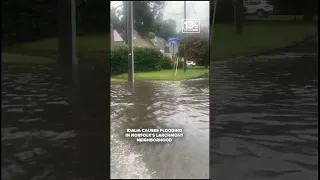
(45, 134)
(264, 121)
(160, 105)
(264, 118)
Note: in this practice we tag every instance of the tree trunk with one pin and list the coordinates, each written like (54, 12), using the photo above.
(309, 10)
(308, 16)
(239, 16)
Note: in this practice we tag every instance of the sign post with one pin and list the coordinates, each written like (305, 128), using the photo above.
(173, 41)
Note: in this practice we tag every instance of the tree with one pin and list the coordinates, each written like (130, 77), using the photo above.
(225, 11)
(151, 35)
(145, 13)
(239, 16)
(197, 48)
(116, 21)
(309, 9)
(165, 29)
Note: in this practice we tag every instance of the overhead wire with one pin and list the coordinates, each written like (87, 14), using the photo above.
(213, 19)
(194, 10)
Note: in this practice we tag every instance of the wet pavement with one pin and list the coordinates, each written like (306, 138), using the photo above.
(263, 114)
(161, 105)
(49, 128)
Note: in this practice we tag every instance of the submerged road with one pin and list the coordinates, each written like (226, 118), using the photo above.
(263, 115)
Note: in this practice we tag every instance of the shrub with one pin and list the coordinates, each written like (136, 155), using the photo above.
(145, 59)
(151, 35)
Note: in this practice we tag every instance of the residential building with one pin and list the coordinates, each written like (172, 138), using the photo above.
(140, 41)
(115, 37)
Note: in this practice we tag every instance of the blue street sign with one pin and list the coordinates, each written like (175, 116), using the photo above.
(173, 39)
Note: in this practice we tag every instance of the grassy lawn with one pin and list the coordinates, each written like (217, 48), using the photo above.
(257, 37)
(88, 43)
(163, 75)
(23, 59)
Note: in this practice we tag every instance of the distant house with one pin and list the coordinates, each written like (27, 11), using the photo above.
(140, 41)
(115, 37)
(160, 43)
(173, 48)
(165, 46)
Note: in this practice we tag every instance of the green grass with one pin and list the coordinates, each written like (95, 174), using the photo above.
(46, 51)
(87, 43)
(257, 37)
(163, 75)
(118, 80)
(23, 59)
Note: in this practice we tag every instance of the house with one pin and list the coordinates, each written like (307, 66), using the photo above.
(173, 48)
(140, 41)
(160, 43)
(115, 37)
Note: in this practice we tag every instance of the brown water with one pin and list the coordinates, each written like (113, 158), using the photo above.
(160, 105)
(264, 116)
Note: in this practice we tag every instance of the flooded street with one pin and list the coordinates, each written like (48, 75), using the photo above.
(49, 130)
(264, 116)
(264, 122)
(160, 105)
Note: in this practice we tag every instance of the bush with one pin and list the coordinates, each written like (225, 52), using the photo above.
(145, 59)
(151, 35)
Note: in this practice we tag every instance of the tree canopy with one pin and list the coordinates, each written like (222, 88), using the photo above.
(147, 17)
(197, 47)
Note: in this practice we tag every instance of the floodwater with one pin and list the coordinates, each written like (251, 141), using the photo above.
(50, 128)
(55, 127)
(264, 116)
(160, 105)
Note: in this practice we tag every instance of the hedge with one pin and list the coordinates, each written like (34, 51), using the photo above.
(145, 59)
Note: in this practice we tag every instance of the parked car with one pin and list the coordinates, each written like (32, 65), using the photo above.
(261, 8)
(191, 63)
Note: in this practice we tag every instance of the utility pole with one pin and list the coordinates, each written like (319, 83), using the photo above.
(185, 40)
(125, 26)
(239, 16)
(67, 32)
(129, 40)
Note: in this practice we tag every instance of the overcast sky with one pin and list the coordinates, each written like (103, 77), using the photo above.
(175, 10)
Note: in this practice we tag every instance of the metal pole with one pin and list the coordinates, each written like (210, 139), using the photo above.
(125, 27)
(172, 48)
(130, 38)
(213, 18)
(74, 32)
(67, 32)
(185, 40)
(234, 14)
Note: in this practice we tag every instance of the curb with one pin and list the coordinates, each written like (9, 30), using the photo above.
(206, 75)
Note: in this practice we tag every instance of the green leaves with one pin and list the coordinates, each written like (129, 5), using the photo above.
(197, 48)
(145, 59)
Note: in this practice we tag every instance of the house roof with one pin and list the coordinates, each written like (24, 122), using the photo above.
(161, 42)
(116, 36)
